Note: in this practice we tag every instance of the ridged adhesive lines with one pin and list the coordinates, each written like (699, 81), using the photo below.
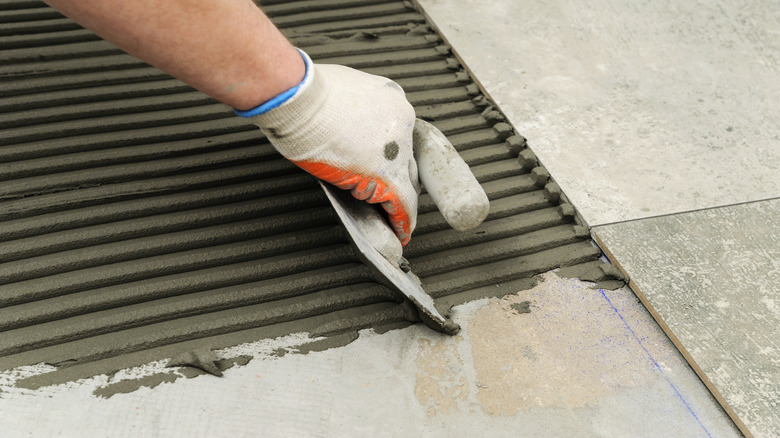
(139, 217)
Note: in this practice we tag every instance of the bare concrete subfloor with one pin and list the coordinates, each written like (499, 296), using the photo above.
(558, 360)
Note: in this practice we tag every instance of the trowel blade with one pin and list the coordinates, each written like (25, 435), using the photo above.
(391, 276)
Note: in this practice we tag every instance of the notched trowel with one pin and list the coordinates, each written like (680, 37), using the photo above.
(454, 190)
(392, 276)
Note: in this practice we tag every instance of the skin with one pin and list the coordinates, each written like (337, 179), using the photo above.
(228, 49)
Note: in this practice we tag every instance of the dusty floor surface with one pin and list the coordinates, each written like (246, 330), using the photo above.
(558, 360)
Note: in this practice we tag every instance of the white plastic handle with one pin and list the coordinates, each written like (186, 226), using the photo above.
(448, 179)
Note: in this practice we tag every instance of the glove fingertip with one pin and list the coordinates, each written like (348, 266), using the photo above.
(400, 220)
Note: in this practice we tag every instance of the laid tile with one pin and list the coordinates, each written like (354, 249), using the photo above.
(637, 109)
(711, 278)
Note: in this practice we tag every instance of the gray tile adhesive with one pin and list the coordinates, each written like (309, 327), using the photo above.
(141, 220)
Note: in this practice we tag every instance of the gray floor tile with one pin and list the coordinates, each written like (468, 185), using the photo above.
(637, 109)
(712, 278)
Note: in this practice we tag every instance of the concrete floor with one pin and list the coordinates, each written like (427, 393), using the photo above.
(672, 107)
(582, 362)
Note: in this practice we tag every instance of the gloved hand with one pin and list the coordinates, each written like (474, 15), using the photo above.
(353, 130)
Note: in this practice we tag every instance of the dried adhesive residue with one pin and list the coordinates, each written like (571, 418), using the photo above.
(522, 307)
(440, 384)
(511, 352)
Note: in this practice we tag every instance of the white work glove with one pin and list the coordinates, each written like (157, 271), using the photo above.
(353, 130)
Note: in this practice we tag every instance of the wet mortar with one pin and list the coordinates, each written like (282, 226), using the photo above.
(141, 220)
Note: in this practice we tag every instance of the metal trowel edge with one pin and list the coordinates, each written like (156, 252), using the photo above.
(391, 276)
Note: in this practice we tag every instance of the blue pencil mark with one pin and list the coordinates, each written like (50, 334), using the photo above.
(658, 367)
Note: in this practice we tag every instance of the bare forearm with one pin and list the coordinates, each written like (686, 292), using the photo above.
(228, 49)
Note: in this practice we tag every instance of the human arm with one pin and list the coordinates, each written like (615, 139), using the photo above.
(228, 49)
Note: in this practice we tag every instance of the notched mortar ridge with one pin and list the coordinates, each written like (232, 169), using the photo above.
(478, 130)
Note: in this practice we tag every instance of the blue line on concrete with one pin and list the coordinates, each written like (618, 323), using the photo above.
(658, 367)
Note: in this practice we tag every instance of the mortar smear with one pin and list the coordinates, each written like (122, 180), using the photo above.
(141, 220)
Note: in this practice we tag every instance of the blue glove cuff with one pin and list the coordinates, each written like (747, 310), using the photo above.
(279, 99)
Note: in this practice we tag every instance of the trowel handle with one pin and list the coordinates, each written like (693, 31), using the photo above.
(448, 179)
